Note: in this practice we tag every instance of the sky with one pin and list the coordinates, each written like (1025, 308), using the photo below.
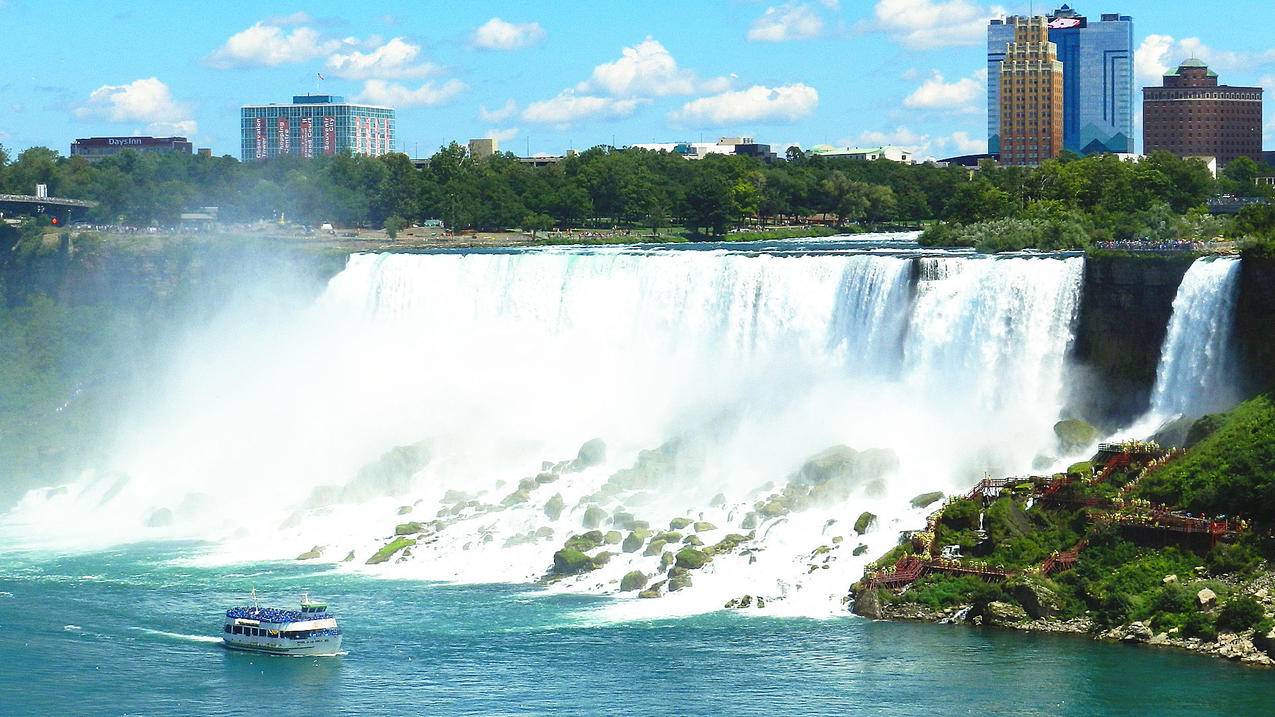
(545, 77)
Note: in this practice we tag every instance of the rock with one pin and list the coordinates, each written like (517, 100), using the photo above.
(679, 582)
(859, 549)
(750, 521)
(159, 518)
(593, 517)
(554, 506)
(655, 547)
(730, 542)
(635, 541)
(679, 523)
(1003, 613)
(451, 497)
(1074, 435)
(349, 557)
(704, 526)
(1205, 599)
(404, 509)
(761, 602)
(867, 604)
(613, 537)
(635, 580)
(1037, 600)
(1137, 632)
(691, 559)
(545, 478)
(1170, 580)
(544, 531)
(584, 542)
(667, 558)
(718, 501)
(772, 509)
(592, 453)
(389, 475)
(926, 499)
(828, 464)
(571, 562)
(864, 522)
(312, 553)
(654, 591)
(387, 552)
(693, 540)
(518, 497)
(408, 528)
(1203, 428)
(601, 559)
(669, 536)
(838, 539)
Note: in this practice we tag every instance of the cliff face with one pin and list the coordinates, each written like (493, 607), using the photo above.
(1124, 315)
(1255, 323)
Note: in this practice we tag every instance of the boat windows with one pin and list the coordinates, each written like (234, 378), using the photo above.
(238, 629)
(226, 628)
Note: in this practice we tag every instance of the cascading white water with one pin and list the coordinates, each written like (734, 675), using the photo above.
(502, 361)
(1196, 373)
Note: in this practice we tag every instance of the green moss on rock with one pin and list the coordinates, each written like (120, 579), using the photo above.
(387, 552)
(635, 580)
(691, 558)
(864, 522)
(926, 499)
(635, 540)
(679, 523)
(704, 526)
(411, 528)
(554, 506)
(593, 517)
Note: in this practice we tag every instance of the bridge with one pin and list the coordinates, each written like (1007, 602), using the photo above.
(37, 205)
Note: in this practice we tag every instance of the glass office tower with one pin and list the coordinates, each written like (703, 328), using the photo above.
(1098, 78)
(314, 125)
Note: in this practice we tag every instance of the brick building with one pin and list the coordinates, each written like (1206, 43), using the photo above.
(1191, 115)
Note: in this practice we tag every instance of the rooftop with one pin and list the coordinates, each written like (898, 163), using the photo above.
(1190, 63)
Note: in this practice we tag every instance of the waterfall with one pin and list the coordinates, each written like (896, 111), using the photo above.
(1197, 370)
(747, 364)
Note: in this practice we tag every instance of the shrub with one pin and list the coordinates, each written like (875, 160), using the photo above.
(1240, 613)
(961, 515)
(1114, 609)
(1199, 624)
(1232, 558)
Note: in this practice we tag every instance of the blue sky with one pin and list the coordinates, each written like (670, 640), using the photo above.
(553, 75)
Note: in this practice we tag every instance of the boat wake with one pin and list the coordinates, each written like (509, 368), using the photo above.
(177, 636)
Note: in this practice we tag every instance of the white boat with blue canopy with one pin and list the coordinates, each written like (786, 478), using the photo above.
(308, 632)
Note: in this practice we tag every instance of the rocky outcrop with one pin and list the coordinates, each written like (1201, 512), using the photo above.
(312, 554)
(634, 580)
(387, 552)
(1003, 613)
(1074, 435)
(691, 559)
(926, 499)
(1036, 599)
(864, 522)
(554, 506)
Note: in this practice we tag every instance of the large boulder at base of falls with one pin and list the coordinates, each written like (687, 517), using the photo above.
(408, 528)
(635, 540)
(159, 518)
(828, 464)
(679, 581)
(655, 547)
(864, 522)
(704, 526)
(593, 517)
(389, 475)
(387, 552)
(927, 499)
(679, 523)
(585, 541)
(312, 554)
(554, 506)
(691, 559)
(1075, 435)
(1003, 613)
(571, 562)
(635, 580)
(1037, 600)
(592, 453)
(613, 537)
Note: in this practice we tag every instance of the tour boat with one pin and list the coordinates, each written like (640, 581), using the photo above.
(307, 632)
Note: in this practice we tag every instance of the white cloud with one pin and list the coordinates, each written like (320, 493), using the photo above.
(786, 22)
(500, 114)
(779, 105)
(926, 24)
(296, 18)
(394, 59)
(496, 34)
(1160, 53)
(568, 107)
(502, 135)
(898, 137)
(645, 70)
(938, 94)
(963, 143)
(392, 94)
(140, 101)
(264, 45)
(923, 146)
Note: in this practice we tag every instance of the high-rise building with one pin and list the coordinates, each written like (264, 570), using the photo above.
(1030, 95)
(95, 148)
(483, 148)
(1097, 58)
(314, 125)
(1191, 115)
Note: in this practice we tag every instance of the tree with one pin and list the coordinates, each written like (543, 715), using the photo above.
(843, 197)
(393, 225)
(536, 222)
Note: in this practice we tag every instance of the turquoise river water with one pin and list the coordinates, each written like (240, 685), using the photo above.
(133, 631)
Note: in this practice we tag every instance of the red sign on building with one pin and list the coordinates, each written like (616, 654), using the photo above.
(284, 141)
(260, 126)
(329, 135)
(306, 138)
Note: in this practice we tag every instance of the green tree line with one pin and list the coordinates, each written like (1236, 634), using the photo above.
(1102, 197)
